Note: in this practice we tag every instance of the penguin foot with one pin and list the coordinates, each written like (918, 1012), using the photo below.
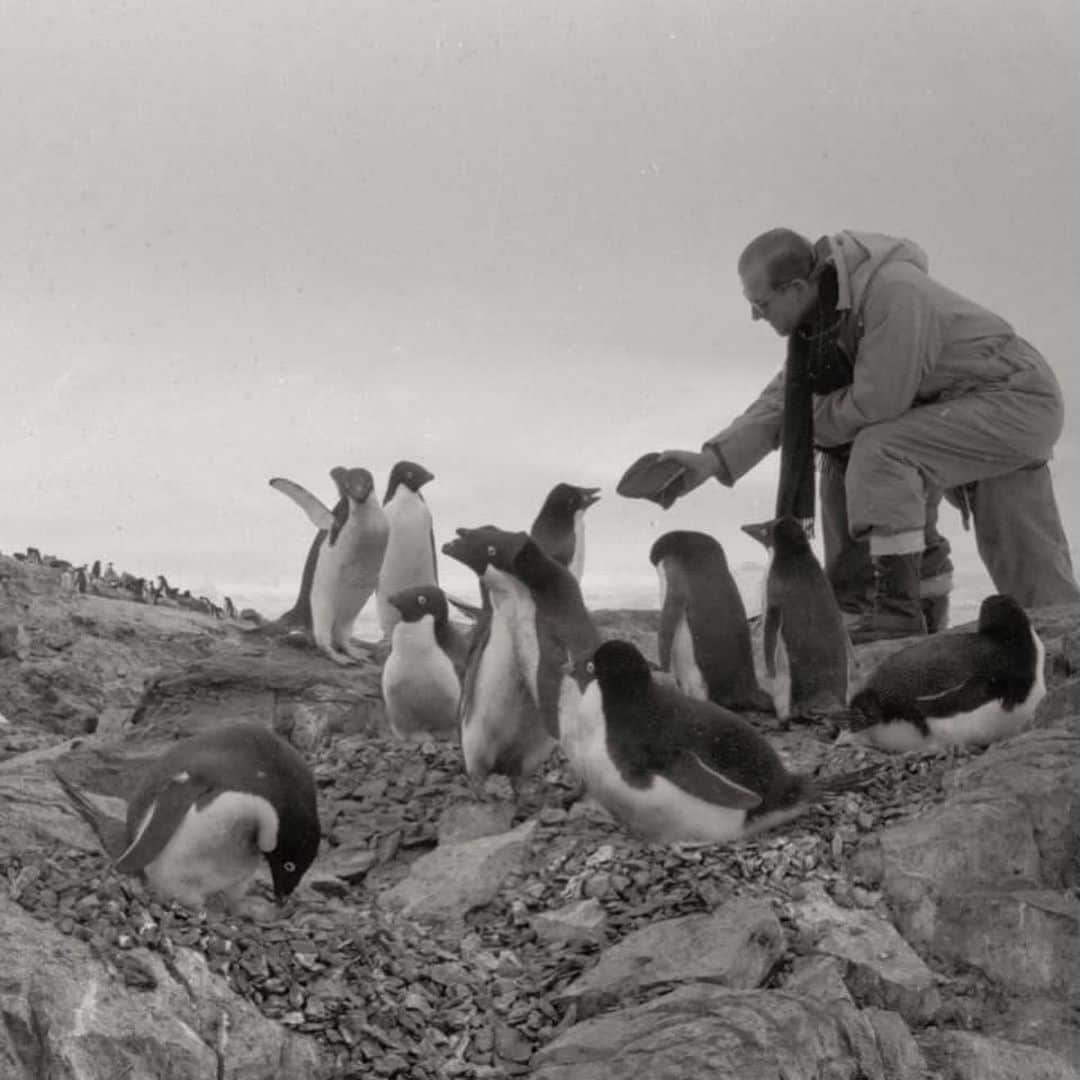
(359, 650)
(340, 658)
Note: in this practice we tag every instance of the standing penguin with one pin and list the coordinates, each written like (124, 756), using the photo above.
(673, 768)
(410, 550)
(955, 689)
(209, 810)
(501, 727)
(554, 630)
(343, 562)
(420, 680)
(807, 650)
(704, 638)
(559, 528)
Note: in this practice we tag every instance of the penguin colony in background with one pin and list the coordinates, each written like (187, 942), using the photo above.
(667, 749)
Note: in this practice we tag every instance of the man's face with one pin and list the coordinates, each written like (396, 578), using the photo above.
(781, 307)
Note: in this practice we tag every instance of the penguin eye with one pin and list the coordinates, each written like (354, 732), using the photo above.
(590, 668)
(289, 867)
(491, 549)
(421, 600)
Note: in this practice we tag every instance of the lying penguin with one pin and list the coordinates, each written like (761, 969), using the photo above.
(208, 811)
(421, 679)
(954, 689)
(674, 768)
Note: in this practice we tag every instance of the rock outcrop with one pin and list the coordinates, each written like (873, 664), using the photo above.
(926, 927)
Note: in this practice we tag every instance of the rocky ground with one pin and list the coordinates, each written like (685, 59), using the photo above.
(925, 926)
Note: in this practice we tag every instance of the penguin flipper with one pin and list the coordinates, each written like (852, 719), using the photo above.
(773, 622)
(166, 812)
(110, 831)
(466, 608)
(688, 772)
(317, 512)
(963, 697)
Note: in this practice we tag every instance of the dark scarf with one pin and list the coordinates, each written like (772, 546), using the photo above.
(815, 365)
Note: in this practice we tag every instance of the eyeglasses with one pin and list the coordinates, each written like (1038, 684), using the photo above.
(761, 305)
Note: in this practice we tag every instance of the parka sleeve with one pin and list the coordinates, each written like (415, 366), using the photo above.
(901, 341)
(751, 435)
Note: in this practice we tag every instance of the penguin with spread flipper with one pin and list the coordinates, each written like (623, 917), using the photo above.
(343, 562)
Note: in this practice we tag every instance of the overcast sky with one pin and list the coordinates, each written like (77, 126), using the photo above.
(256, 239)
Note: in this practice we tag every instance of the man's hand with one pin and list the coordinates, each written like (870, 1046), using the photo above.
(699, 465)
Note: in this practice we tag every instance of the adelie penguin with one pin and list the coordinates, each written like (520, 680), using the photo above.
(501, 728)
(421, 677)
(559, 527)
(209, 810)
(553, 628)
(704, 638)
(808, 655)
(409, 559)
(954, 689)
(676, 769)
(343, 562)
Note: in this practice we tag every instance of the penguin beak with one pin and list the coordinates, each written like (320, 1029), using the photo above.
(589, 496)
(761, 531)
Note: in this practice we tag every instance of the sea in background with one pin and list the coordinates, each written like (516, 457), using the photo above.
(971, 584)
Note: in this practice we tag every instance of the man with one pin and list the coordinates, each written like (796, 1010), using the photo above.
(941, 396)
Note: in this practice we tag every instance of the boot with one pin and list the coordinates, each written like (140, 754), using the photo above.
(897, 608)
(935, 611)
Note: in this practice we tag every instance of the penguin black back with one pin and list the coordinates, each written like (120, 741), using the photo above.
(243, 757)
(553, 528)
(701, 599)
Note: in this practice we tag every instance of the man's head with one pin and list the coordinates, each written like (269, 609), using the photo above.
(776, 272)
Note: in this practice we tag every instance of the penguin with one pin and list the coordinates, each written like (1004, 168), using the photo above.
(704, 638)
(808, 654)
(209, 810)
(559, 527)
(501, 728)
(675, 769)
(343, 562)
(554, 630)
(410, 550)
(956, 689)
(230, 608)
(421, 679)
(95, 569)
(80, 579)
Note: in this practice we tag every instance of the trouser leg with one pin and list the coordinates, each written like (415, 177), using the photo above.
(848, 565)
(1021, 539)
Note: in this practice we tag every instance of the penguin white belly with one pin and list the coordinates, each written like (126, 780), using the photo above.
(577, 563)
(216, 849)
(780, 686)
(346, 574)
(683, 664)
(500, 723)
(661, 812)
(420, 687)
(410, 557)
